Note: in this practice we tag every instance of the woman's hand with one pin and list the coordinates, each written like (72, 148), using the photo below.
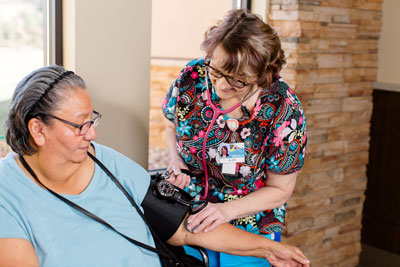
(285, 255)
(176, 177)
(213, 215)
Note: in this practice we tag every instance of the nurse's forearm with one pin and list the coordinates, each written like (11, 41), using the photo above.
(170, 137)
(275, 193)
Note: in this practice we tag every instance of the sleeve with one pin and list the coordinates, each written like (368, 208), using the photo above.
(9, 226)
(169, 103)
(286, 141)
(131, 175)
(138, 179)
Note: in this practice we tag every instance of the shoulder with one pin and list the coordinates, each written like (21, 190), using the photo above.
(194, 70)
(281, 97)
(279, 88)
(198, 62)
(110, 157)
(127, 171)
(8, 169)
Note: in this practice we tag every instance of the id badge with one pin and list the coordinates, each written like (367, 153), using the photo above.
(229, 155)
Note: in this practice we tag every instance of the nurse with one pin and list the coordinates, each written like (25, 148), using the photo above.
(235, 97)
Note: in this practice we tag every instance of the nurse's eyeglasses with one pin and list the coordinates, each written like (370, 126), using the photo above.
(84, 127)
(218, 75)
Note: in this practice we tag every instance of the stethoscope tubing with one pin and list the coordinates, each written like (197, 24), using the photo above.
(217, 112)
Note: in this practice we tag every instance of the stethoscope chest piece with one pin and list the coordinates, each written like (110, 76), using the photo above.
(233, 124)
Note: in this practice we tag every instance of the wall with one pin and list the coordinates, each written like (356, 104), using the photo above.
(178, 26)
(177, 31)
(332, 51)
(332, 62)
(389, 43)
(109, 47)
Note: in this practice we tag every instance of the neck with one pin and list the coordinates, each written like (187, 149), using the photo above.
(249, 100)
(61, 177)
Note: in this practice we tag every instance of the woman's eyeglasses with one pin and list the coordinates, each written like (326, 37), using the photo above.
(231, 81)
(84, 127)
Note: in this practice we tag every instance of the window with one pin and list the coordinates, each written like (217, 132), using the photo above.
(21, 46)
(22, 39)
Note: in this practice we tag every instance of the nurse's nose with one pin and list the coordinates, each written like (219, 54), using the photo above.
(222, 83)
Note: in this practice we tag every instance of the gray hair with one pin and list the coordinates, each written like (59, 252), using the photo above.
(39, 93)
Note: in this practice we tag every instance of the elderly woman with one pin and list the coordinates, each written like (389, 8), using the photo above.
(58, 187)
(235, 96)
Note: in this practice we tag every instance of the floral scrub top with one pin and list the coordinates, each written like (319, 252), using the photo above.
(273, 133)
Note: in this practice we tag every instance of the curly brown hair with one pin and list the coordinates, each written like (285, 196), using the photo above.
(252, 47)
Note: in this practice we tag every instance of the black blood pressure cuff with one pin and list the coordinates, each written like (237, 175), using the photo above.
(164, 207)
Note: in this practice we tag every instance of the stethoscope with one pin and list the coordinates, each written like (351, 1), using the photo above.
(217, 112)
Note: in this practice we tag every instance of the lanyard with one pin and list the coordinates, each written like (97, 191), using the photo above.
(164, 251)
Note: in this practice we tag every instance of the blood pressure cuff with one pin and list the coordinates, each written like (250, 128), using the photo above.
(164, 214)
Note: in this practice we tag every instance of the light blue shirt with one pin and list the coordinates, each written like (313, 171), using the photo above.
(63, 236)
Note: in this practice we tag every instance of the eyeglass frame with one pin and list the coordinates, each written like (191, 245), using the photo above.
(94, 121)
(227, 77)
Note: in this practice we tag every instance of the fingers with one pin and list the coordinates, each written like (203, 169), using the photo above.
(305, 262)
(286, 255)
(299, 257)
(176, 169)
(176, 177)
(211, 221)
(199, 220)
(213, 225)
(208, 219)
(182, 180)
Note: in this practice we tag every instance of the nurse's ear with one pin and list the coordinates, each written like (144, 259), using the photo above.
(36, 130)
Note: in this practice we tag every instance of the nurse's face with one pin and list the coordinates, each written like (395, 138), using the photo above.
(228, 87)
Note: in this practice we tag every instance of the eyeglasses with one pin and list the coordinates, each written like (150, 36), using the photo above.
(84, 127)
(232, 81)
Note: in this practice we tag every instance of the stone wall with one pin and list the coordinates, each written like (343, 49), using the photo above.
(162, 76)
(331, 49)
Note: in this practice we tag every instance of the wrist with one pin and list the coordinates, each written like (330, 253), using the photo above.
(234, 209)
(265, 247)
(176, 158)
(228, 211)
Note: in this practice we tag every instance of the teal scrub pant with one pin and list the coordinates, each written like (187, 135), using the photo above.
(219, 259)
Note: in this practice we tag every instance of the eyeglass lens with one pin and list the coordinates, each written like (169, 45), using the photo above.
(232, 82)
(86, 126)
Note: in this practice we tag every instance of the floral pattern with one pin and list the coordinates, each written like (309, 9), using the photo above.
(274, 135)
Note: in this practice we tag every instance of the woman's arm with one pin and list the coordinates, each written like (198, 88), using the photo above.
(230, 239)
(177, 178)
(16, 252)
(277, 190)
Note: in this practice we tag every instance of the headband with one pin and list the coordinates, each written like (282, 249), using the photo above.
(51, 86)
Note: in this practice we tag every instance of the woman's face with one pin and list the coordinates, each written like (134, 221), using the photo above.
(63, 140)
(224, 151)
(224, 90)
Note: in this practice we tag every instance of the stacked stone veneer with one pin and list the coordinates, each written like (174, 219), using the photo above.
(331, 49)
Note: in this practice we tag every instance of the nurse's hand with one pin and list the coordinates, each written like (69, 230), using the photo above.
(213, 215)
(176, 177)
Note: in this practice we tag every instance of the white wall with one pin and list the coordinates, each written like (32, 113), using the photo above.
(108, 44)
(389, 44)
(178, 26)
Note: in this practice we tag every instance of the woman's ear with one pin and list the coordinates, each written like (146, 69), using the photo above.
(35, 128)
